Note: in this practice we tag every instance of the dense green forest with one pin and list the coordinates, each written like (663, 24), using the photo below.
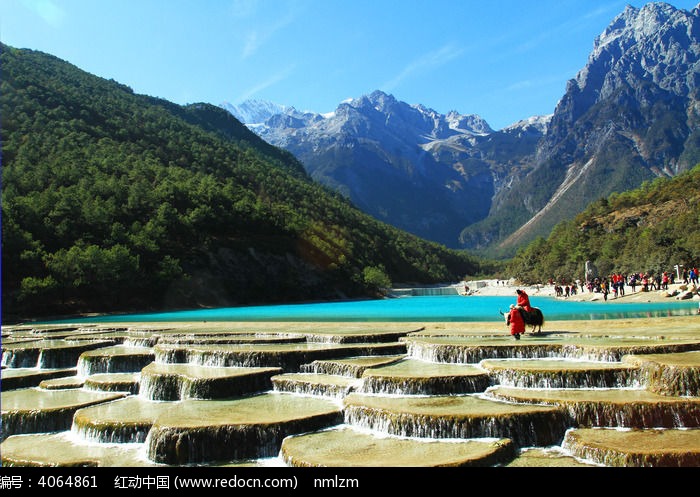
(113, 201)
(650, 229)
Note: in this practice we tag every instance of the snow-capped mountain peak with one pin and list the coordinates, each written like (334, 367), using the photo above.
(539, 123)
(255, 111)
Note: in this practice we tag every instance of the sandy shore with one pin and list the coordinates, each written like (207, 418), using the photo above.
(503, 288)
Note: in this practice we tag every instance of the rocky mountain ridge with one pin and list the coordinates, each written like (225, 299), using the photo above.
(630, 115)
(438, 177)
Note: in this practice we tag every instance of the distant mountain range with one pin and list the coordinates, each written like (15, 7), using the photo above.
(393, 160)
(630, 115)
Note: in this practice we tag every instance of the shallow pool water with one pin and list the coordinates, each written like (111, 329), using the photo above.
(411, 309)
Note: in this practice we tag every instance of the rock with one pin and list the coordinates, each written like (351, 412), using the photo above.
(685, 295)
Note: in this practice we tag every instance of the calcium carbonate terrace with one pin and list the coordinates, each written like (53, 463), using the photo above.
(352, 394)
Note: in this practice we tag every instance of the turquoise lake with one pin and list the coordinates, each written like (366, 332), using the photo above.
(411, 309)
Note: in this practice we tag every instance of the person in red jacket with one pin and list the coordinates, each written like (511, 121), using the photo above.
(523, 300)
(515, 320)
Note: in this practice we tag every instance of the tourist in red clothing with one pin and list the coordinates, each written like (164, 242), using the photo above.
(523, 300)
(515, 320)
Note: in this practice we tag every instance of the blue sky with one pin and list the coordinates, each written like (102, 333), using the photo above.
(504, 60)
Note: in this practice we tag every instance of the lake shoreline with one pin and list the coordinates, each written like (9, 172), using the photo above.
(503, 289)
(485, 288)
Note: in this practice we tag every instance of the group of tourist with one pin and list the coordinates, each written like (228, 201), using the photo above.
(615, 283)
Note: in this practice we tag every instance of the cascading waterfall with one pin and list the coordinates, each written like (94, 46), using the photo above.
(425, 291)
(473, 354)
(612, 353)
(125, 433)
(603, 355)
(213, 445)
(50, 410)
(113, 382)
(225, 357)
(352, 368)
(383, 385)
(15, 423)
(118, 359)
(170, 355)
(170, 445)
(160, 387)
(356, 338)
(185, 381)
(540, 429)
(640, 415)
(67, 355)
(290, 357)
(619, 448)
(20, 358)
(228, 339)
(48, 354)
(567, 379)
(145, 341)
(333, 368)
(293, 384)
(671, 380)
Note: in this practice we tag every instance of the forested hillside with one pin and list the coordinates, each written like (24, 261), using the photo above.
(113, 201)
(649, 229)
